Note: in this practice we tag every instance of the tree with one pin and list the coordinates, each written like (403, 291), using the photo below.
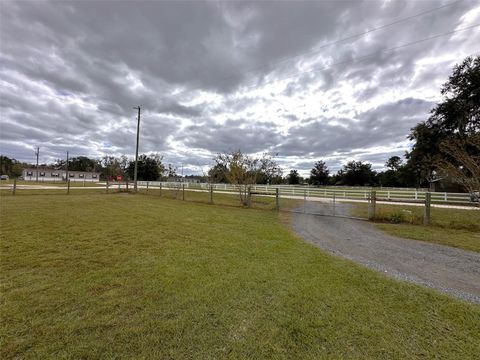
(391, 177)
(218, 173)
(11, 167)
(293, 178)
(269, 172)
(243, 170)
(319, 174)
(150, 167)
(170, 172)
(454, 119)
(394, 163)
(462, 165)
(356, 173)
(80, 163)
(83, 163)
(113, 167)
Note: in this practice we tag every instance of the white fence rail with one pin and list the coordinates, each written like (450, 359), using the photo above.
(385, 194)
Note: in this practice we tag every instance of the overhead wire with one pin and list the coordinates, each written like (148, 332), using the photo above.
(315, 69)
(345, 39)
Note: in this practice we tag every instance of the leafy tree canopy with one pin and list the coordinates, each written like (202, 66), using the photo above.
(456, 117)
(150, 168)
(319, 175)
(356, 173)
(293, 178)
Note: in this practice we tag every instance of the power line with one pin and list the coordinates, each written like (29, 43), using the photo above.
(476, 53)
(365, 56)
(350, 37)
(37, 153)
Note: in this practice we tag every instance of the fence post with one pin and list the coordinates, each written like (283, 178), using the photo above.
(372, 205)
(426, 215)
(160, 188)
(211, 194)
(277, 203)
(249, 197)
(107, 187)
(147, 186)
(14, 189)
(68, 186)
(304, 200)
(183, 191)
(333, 197)
(126, 185)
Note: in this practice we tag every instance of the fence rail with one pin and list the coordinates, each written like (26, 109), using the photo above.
(393, 195)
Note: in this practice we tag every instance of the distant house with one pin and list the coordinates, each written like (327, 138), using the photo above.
(48, 174)
(446, 184)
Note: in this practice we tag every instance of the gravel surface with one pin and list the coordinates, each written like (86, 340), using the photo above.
(447, 269)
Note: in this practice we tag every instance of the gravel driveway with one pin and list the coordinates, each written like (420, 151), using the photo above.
(444, 268)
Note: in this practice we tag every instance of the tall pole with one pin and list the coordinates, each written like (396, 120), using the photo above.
(37, 153)
(66, 175)
(136, 152)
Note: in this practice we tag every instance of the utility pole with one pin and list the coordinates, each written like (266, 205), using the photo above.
(66, 175)
(136, 152)
(37, 153)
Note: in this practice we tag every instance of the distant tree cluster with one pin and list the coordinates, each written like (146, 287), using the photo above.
(10, 167)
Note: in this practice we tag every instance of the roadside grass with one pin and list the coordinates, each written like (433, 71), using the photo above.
(139, 276)
(219, 197)
(452, 227)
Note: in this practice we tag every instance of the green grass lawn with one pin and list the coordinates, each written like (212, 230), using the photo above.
(452, 227)
(139, 276)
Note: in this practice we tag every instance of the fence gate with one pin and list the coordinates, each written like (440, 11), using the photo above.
(321, 202)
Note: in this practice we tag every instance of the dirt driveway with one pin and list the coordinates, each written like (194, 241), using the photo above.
(444, 268)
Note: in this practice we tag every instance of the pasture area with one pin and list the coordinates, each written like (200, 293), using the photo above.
(141, 276)
(452, 227)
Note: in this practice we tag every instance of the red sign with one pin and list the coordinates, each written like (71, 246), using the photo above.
(119, 177)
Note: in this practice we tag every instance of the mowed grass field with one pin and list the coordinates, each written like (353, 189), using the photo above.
(138, 276)
(452, 227)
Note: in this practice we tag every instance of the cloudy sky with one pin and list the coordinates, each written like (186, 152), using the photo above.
(329, 80)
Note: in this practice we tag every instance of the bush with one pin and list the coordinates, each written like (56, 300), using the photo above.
(397, 218)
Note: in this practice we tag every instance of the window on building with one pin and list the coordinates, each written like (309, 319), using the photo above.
(81, 175)
(94, 176)
(54, 174)
(29, 173)
(71, 175)
(42, 173)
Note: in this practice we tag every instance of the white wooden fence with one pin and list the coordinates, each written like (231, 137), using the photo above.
(383, 194)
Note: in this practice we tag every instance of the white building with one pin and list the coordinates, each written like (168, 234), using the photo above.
(47, 174)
